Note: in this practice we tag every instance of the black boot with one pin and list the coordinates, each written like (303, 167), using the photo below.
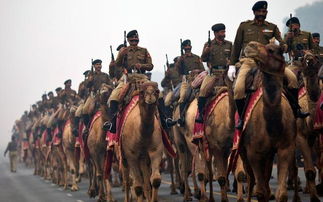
(49, 135)
(165, 118)
(292, 96)
(112, 124)
(200, 104)
(240, 104)
(75, 130)
(86, 121)
(181, 120)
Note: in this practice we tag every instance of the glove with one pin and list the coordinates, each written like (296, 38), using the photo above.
(232, 72)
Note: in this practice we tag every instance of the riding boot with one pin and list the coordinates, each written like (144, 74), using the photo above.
(112, 124)
(75, 130)
(60, 128)
(165, 118)
(200, 104)
(292, 96)
(181, 120)
(86, 121)
(49, 135)
(240, 104)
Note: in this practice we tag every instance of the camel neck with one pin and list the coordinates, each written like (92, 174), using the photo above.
(272, 108)
(147, 113)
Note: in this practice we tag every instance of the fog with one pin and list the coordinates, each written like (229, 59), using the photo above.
(45, 42)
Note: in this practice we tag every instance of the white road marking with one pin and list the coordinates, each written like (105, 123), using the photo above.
(79, 201)
(68, 194)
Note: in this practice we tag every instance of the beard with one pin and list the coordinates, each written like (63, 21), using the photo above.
(187, 49)
(221, 38)
(135, 40)
(260, 17)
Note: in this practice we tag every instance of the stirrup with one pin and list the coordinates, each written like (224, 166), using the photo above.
(107, 126)
(170, 122)
(181, 122)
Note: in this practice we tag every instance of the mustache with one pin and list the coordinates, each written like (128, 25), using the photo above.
(221, 37)
(134, 40)
(260, 17)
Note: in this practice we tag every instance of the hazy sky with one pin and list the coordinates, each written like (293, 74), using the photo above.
(45, 42)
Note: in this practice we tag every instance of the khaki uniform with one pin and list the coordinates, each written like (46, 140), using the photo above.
(127, 59)
(318, 50)
(184, 65)
(250, 31)
(217, 60)
(68, 96)
(12, 148)
(304, 38)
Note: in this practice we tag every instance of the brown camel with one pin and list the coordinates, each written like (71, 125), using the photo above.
(96, 141)
(189, 155)
(141, 145)
(271, 129)
(305, 127)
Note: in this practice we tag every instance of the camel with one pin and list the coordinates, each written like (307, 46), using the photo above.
(97, 145)
(305, 127)
(187, 153)
(141, 147)
(271, 129)
(67, 151)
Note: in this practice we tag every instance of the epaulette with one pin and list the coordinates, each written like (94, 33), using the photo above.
(247, 21)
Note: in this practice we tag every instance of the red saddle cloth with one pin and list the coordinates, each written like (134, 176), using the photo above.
(57, 140)
(114, 138)
(25, 144)
(199, 128)
(255, 97)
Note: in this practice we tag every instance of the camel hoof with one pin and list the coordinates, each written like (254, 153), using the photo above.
(173, 192)
(182, 188)
(296, 199)
(319, 189)
(283, 198)
(188, 199)
(224, 200)
(272, 197)
(74, 188)
(197, 194)
(240, 200)
(91, 193)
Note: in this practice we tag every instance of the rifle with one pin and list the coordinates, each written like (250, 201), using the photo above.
(112, 56)
(124, 39)
(167, 63)
(182, 53)
(290, 40)
(209, 40)
(92, 65)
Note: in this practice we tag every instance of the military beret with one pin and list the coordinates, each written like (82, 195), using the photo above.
(86, 72)
(120, 46)
(316, 35)
(132, 33)
(34, 105)
(96, 61)
(44, 95)
(293, 20)
(259, 5)
(58, 89)
(218, 27)
(187, 42)
(50, 92)
(67, 81)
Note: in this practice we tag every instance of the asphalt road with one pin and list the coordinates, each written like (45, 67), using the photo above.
(23, 186)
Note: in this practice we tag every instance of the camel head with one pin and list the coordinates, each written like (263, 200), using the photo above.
(149, 92)
(310, 64)
(269, 57)
(105, 92)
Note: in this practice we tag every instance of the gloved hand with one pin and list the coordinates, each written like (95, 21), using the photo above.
(232, 72)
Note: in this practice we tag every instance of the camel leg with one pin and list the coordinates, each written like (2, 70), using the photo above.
(155, 179)
(241, 178)
(146, 173)
(221, 167)
(126, 181)
(137, 178)
(73, 170)
(99, 162)
(309, 169)
(210, 176)
(200, 168)
(171, 172)
(284, 160)
(92, 174)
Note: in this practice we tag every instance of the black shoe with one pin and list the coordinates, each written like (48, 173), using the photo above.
(239, 125)
(301, 114)
(181, 122)
(170, 122)
(85, 131)
(75, 132)
(200, 106)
